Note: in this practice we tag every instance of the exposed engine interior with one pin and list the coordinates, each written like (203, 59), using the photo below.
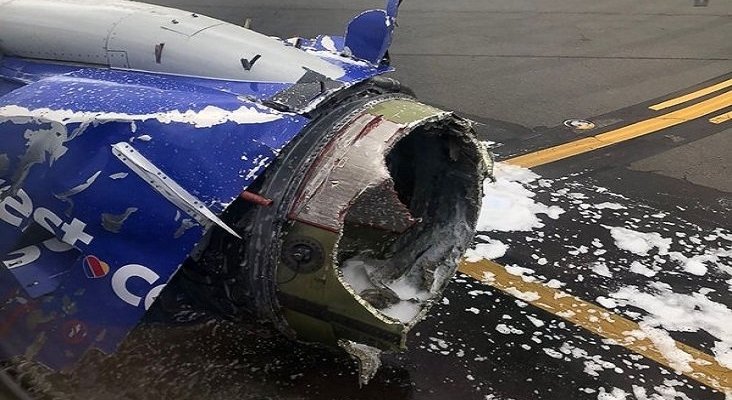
(427, 213)
(359, 227)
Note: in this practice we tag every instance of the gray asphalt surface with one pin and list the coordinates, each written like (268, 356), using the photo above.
(521, 68)
(535, 63)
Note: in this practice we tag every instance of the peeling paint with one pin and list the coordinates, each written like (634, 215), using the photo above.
(114, 222)
(262, 162)
(328, 44)
(185, 225)
(43, 145)
(67, 196)
(120, 175)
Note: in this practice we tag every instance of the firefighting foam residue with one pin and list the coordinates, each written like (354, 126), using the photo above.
(207, 117)
(409, 297)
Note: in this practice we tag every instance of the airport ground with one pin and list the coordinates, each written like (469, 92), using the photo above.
(576, 307)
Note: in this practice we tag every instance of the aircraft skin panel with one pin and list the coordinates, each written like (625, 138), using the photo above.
(140, 37)
(125, 236)
(136, 140)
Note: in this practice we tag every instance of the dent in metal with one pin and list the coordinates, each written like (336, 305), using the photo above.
(299, 96)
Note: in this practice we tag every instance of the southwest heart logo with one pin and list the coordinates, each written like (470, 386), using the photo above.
(95, 268)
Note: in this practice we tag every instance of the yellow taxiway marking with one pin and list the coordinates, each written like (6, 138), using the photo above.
(624, 332)
(703, 368)
(721, 118)
(628, 132)
(691, 96)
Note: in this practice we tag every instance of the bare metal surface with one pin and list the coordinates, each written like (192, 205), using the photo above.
(130, 35)
(367, 357)
(167, 187)
(356, 162)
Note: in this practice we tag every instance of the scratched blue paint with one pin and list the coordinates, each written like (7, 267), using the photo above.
(51, 307)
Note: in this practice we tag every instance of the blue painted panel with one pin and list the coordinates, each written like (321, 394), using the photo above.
(27, 71)
(7, 86)
(369, 35)
(93, 293)
(85, 241)
(392, 8)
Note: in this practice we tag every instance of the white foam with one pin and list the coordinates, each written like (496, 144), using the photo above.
(518, 271)
(606, 302)
(356, 273)
(681, 313)
(553, 353)
(508, 330)
(614, 394)
(638, 268)
(205, 118)
(600, 268)
(697, 265)
(662, 392)
(677, 359)
(490, 250)
(609, 206)
(403, 311)
(639, 243)
(525, 296)
(508, 205)
(536, 321)
(328, 44)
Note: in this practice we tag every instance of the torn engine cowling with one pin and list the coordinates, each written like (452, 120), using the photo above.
(356, 230)
(125, 145)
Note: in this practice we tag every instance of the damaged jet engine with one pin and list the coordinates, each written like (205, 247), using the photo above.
(285, 179)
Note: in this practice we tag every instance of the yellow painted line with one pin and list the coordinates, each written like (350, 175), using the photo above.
(721, 118)
(704, 368)
(632, 131)
(692, 96)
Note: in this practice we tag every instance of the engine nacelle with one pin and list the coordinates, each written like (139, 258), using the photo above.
(148, 153)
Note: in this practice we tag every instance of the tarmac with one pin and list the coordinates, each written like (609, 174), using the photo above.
(570, 308)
